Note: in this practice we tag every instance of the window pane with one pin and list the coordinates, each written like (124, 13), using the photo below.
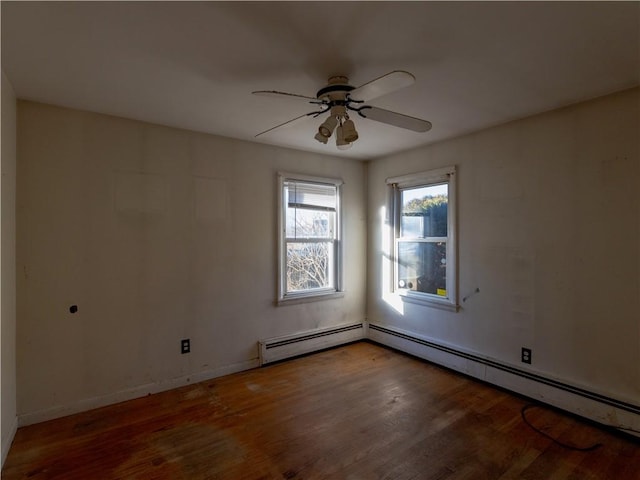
(422, 266)
(302, 223)
(424, 211)
(309, 265)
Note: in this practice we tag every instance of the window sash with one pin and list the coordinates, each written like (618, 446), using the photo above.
(326, 276)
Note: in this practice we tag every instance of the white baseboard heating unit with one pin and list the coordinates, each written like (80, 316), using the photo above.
(279, 348)
(581, 400)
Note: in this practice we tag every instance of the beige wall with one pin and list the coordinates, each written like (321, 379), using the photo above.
(549, 232)
(8, 422)
(156, 234)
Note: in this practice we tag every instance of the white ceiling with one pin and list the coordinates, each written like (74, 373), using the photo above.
(193, 65)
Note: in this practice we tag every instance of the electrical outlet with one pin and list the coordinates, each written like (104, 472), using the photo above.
(185, 346)
(526, 355)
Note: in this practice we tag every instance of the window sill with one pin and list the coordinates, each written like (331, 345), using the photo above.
(427, 301)
(308, 297)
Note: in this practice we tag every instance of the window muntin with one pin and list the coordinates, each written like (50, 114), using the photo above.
(309, 263)
(424, 237)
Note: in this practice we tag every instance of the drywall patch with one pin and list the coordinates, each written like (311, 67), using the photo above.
(211, 199)
(141, 193)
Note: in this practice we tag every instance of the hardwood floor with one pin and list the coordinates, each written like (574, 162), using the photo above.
(356, 412)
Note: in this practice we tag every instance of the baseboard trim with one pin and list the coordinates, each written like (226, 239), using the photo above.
(280, 348)
(613, 412)
(130, 394)
(8, 440)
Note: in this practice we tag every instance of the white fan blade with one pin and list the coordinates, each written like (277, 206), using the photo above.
(283, 124)
(395, 119)
(274, 93)
(381, 86)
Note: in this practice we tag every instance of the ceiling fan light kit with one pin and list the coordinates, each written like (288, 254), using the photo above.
(328, 126)
(321, 138)
(338, 97)
(349, 131)
(341, 143)
(345, 134)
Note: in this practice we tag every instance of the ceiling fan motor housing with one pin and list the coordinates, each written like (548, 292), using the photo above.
(336, 90)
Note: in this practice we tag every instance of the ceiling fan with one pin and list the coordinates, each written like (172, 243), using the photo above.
(339, 98)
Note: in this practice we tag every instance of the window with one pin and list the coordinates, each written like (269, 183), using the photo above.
(309, 237)
(424, 237)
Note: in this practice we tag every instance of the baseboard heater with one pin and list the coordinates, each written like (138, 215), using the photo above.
(279, 348)
(603, 409)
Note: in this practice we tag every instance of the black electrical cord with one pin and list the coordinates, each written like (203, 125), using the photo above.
(562, 444)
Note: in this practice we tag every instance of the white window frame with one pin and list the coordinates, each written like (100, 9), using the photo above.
(285, 297)
(425, 179)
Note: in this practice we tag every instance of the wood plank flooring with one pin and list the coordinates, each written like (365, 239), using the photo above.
(356, 412)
